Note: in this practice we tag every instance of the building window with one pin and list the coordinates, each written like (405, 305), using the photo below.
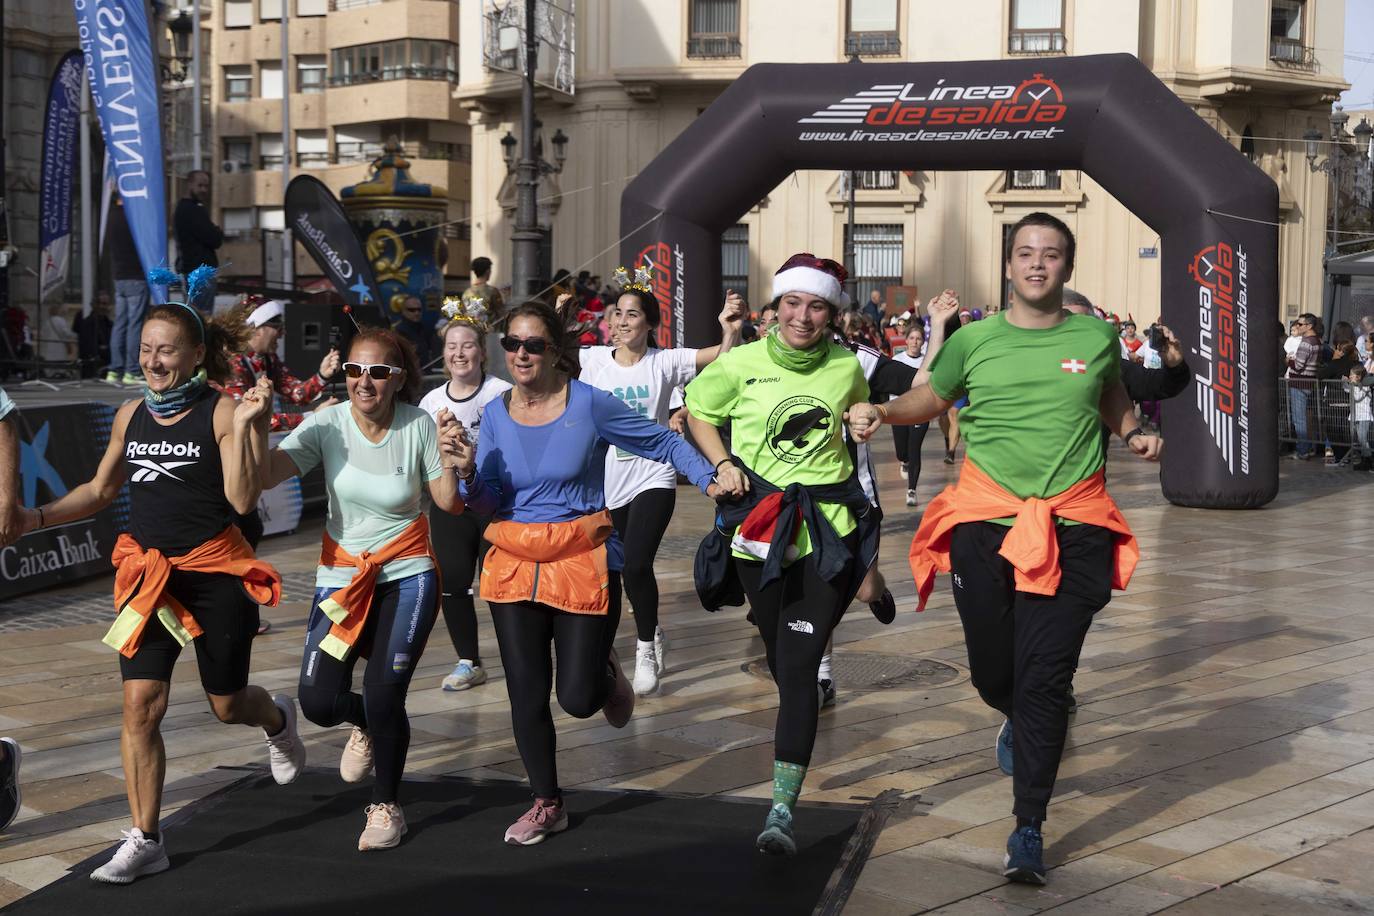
(1287, 46)
(734, 260)
(872, 29)
(269, 10)
(310, 73)
(1247, 144)
(269, 153)
(237, 222)
(269, 74)
(406, 58)
(312, 149)
(877, 258)
(1037, 27)
(238, 153)
(312, 7)
(273, 219)
(714, 29)
(238, 14)
(238, 84)
(885, 180)
(1034, 179)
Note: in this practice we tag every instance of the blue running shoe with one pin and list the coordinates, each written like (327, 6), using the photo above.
(1003, 746)
(776, 839)
(1025, 861)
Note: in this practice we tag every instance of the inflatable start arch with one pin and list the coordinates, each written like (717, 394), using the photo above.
(1107, 115)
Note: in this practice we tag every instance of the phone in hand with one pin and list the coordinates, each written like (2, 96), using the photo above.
(1157, 339)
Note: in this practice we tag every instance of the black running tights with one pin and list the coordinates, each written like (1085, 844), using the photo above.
(640, 524)
(459, 547)
(525, 631)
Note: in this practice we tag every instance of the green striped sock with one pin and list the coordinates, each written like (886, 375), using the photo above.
(787, 783)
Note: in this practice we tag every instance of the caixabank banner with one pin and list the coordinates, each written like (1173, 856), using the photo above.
(49, 466)
(1215, 211)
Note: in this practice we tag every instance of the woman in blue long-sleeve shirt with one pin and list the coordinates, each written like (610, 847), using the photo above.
(552, 577)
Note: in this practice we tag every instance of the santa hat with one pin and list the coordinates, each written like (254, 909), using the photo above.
(264, 313)
(806, 273)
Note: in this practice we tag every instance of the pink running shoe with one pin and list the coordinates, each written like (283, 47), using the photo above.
(547, 816)
(620, 705)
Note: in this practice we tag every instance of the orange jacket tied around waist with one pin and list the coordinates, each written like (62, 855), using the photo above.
(1031, 546)
(140, 590)
(349, 606)
(560, 564)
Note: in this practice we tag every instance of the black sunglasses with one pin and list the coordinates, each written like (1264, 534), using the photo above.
(534, 346)
(379, 372)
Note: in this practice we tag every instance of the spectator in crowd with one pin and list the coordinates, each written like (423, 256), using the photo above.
(131, 299)
(489, 296)
(875, 309)
(1302, 377)
(856, 328)
(1128, 336)
(260, 360)
(1359, 388)
(9, 533)
(894, 334)
(1291, 342)
(1333, 401)
(768, 317)
(198, 238)
(412, 327)
(93, 336)
(1364, 338)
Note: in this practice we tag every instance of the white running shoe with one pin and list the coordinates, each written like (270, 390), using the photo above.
(661, 650)
(357, 760)
(286, 750)
(464, 676)
(136, 856)
(647, 668)
(385, 827)
(911, 497)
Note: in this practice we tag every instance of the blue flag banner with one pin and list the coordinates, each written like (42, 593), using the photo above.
(119, 62)
(60, 140)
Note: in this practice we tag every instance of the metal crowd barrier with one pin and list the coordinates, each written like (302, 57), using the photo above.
(1328, 411)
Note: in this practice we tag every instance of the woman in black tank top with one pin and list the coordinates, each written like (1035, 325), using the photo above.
(189, 456)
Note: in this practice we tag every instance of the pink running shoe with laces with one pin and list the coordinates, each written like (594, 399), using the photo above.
(547, 816)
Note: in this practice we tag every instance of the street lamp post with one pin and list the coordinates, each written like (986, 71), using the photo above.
(525, 238)
(1333, 165)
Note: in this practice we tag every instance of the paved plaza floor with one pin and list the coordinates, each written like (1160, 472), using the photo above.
(1222, 759)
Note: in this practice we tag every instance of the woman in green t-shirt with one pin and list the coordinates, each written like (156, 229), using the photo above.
(802, 537)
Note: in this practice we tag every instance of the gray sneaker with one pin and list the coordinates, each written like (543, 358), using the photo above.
(464, 676)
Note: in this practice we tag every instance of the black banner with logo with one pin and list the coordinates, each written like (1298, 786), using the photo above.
(320, 224)
(1215, 211)
(50, 464)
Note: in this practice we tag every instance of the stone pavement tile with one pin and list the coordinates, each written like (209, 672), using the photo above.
(34, 872)
(10, 892)
(988, 904)
(925, 882)
(71, 792)
(1120, 900)
(862, 902)
(1237, 898)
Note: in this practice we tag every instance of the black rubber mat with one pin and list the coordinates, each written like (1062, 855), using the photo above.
(256, 847)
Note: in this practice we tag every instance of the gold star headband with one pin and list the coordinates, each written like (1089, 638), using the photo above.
(467, 311)
(643, 280)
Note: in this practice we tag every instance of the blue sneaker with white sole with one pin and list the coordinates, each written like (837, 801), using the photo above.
(1025, 859)
(776, 839)
(1004, 758)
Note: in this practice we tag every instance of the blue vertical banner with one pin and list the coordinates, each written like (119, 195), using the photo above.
(123, 76)
(60, 139)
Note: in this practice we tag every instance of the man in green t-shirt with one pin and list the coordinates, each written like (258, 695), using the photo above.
(1040, 381)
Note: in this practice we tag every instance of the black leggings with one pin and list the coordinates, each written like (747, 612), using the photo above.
(394, 636)
(909, 440)
(640, 524)
(795, 615)
(524, 631)
(459, 547)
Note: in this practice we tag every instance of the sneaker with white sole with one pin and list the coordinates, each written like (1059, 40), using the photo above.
(911, 497)
(465, 675)
(285, 749)
(661, 650)
(646, 670)
(549, 815)
(356, 761)
(620, 705)
(825, 692)
(385, 827)
(136, 856)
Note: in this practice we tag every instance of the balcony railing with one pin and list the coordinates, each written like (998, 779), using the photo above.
(877, 181)
(1034, 179)
(366, 152)
(874, 44)
(1291, 52)
(1037, 41)
(384, 74)
(270, 161)
(713, 46)
(460, 232)
(312, 160)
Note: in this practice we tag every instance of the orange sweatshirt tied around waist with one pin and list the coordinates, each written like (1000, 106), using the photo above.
(560, 564)
(1031, 546)
(140, 590)
(349, 606)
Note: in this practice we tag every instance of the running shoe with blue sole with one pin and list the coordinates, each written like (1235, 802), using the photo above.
(1004, 756)
(1025, 859)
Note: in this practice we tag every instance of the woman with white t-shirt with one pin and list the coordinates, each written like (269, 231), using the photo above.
(458, 539)
(641, 493)
(909, 439)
